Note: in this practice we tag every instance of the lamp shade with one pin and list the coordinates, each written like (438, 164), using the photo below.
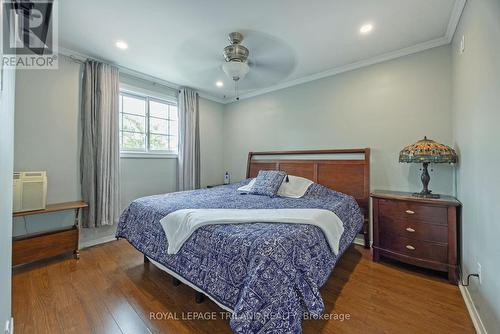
(428, 151)
(235, 70)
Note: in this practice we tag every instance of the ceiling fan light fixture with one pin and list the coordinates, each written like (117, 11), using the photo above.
(236, 55)
(236, 51)
(235, 70)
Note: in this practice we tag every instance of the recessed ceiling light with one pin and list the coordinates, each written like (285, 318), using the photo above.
(366, 28)
(121, 45)
(219, 84)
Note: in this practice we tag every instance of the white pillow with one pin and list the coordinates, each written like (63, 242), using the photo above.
(247, 188)
(296, 187)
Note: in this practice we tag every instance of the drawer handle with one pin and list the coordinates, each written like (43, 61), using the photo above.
(409, 229)
(410, 212)
(410, 247)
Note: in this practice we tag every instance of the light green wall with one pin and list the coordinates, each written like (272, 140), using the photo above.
(384, 107)
(47, 127)
(47, 137)
(476, 119)
(211, 144)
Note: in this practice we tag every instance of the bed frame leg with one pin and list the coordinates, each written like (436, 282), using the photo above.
(146, 260)
(175, 281)
(199, 297)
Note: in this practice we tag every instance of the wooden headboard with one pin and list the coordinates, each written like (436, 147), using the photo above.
(349, 176)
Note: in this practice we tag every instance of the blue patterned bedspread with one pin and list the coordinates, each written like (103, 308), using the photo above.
(269, 274)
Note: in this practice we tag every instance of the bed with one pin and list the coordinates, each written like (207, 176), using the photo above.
(267, 275)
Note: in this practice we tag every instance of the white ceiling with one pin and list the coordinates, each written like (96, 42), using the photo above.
(290, 41)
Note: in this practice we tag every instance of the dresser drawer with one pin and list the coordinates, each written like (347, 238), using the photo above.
(413, 212)
(414, 230)
(415, 248)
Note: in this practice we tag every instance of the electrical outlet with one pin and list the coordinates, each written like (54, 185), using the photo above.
(479, 272)
(462, 44)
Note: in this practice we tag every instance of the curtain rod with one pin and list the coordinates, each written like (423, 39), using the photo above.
(76, 60)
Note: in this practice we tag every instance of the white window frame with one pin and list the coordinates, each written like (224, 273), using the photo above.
(147, 96)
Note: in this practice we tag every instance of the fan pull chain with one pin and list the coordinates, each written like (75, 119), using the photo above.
(236, 90)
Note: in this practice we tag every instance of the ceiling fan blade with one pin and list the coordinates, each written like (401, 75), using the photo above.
(256, 79)
(271, 60)
(264, 76)
(197, 56)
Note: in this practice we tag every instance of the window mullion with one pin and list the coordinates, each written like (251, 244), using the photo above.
(135, 115)
(121, 116)
(168, 128)
(127, 131)
(147, 126)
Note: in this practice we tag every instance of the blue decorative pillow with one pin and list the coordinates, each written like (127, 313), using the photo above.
(267, 182)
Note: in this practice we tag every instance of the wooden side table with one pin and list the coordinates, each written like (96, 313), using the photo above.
(36, 246)
(417, 231)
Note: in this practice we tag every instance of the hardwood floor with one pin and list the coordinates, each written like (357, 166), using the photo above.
(111, 290)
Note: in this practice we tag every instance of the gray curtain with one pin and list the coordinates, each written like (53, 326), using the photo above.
(189, 141)
(100, 154)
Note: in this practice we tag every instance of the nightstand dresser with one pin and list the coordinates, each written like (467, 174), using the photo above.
(417, 231)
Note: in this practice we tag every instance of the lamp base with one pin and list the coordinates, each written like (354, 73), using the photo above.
(425, 177)
(424, 195)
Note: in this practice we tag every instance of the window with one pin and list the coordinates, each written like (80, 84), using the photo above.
(148, 125)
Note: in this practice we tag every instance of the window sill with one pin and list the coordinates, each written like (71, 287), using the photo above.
(143, 155)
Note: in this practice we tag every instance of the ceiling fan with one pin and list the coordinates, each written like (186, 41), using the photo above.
(252, 60)
(236, 60)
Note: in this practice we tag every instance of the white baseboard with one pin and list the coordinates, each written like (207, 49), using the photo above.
(360, 241)
(97, 241)
(9, 326)
(476, 319)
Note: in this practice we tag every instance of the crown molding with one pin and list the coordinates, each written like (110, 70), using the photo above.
(82, 57)
(211, 97)
(456, 14)
(444, 40)
(353, 66)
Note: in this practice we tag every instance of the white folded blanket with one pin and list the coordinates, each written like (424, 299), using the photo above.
(180, 224)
